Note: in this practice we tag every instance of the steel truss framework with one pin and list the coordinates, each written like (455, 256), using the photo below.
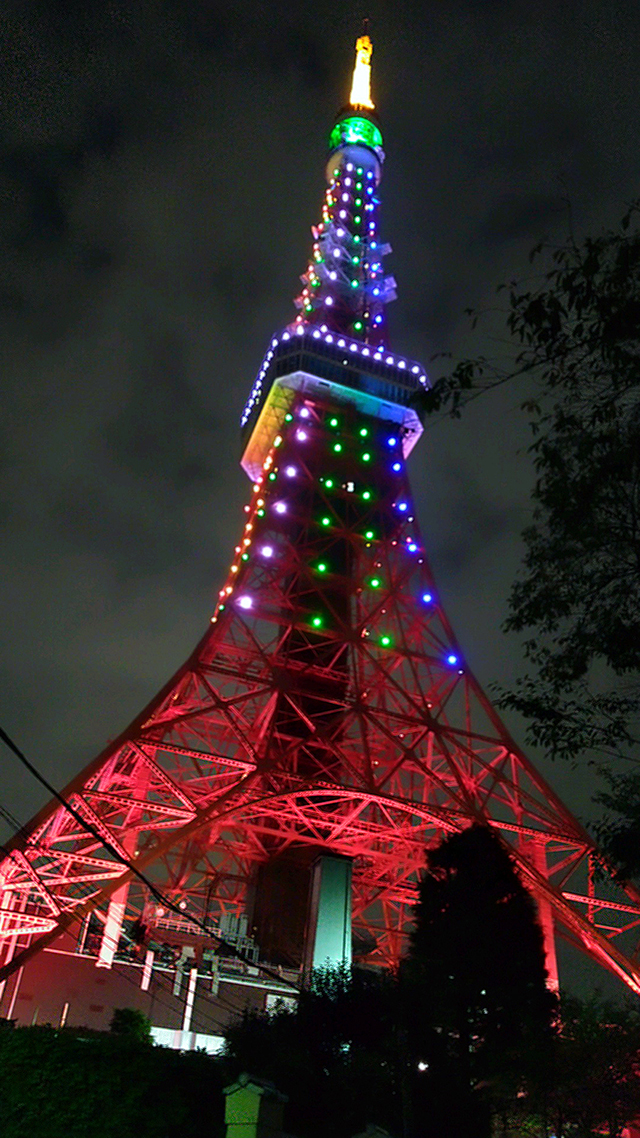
(328, 706)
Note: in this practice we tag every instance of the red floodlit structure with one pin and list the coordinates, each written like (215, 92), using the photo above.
(328, 709)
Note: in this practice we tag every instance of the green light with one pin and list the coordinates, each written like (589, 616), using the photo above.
(322, 567)
(358, 185)
(358, 325)
(369, 535)
(245, 556)
(357, 221)
(355, 260)
(288, 417)
(356, 239)
(366, 456)
(355, 129)
(272, 476)
(317, 622)
(329, 483)
(359, 170)
(325, 521)
(354, 284)
(375, 582)
(221, 608)
(385, 641)
(337, 447)
(333, 422)
(260, 513)
(367, 495)
(358, 200)
(363, 432)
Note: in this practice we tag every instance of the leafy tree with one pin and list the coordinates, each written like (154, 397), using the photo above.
(336, 1051)
(478, 1011)
(577, 347)
(131, 1022)
(591, 1084)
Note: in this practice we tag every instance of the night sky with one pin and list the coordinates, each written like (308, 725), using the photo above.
(161, 166)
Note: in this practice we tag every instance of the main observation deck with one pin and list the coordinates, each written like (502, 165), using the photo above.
(333, 368)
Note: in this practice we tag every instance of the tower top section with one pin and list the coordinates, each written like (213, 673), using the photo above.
(361, 85)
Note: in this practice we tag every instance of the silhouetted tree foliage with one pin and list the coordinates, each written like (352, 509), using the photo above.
(72, 1084)
(436, 1049)
(335, 1056)
(577, 345)
(479, 1015)
(591, 1083)
(131, 1022)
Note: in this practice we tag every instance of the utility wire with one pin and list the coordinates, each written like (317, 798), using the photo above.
(203, 1016)
(153, 889)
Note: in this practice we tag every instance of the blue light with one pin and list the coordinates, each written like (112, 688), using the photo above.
(396, 467)
(452, 659)
(392, 441)
(427, 598)
(403, 506)
(412, 547)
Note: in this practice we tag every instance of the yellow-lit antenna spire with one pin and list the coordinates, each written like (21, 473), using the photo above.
(361, 86)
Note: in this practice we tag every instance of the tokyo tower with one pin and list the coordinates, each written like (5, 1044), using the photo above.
(269, 809)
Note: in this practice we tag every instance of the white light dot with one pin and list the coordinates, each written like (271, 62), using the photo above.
(245, 602)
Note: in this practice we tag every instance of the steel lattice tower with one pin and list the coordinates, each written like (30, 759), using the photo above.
(327, 710)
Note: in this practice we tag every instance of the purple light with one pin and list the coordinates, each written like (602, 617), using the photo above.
(302, 436)
(427, 598)
(304, 412)
(328, 300)
(353, 347)
(280, 507)
(300, 330)
(245, 602)
(316, 334)
(396, 467)
(343, 213)
(340, 232)
(415, 369)
(267, 551)
(290, 471)
(389, 360)
(341, 343)
(337, 252)
(345, 197)
(333, 275)
(452, 659)
(329, 338)
(349, 166)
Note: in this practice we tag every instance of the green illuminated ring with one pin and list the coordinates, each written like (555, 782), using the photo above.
(353, 130)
